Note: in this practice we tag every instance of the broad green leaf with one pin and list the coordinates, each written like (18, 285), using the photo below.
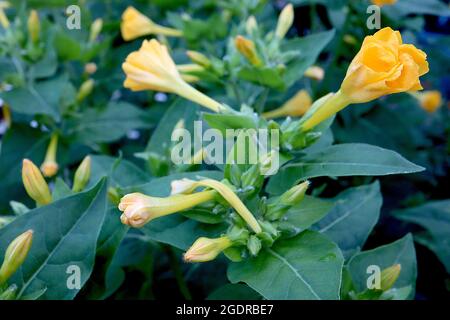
(434, 216)
(355, 213)
(351, 159)
(61, 190)
(265, 76)
(307, 266)
(404, 8)
(65, 235)
(399, 252)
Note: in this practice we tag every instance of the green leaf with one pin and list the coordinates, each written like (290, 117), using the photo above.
(434, 216)
(61, 190)
(264, 76)
(351, 159)
(65, 234)
(404, 8)
(355, 213)
(222, 122)
(307, 266)
(401, 251)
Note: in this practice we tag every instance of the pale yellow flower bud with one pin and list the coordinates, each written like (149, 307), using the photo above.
(251, 25)
(190, 67)
(183, 186)
(82, 175)
(430, 101)
(7, 115)
(285, 21)
(295, 194)
(247, 48)
(206, 249)
(389, 276)
(315, 72)
(85, 89)
(139, 209)
(90, 68)
(4, 22)
(34, 26)
(199, 58)
(96, 28)
(35, 184)
(152, 68)
(50, 167)
(15, 255)
(135, 24)
(294, 107)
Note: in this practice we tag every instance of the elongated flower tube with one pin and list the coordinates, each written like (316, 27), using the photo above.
(188, 186)
(384, 65)
(430, 101)
(35, 184)
(381, 3)
(294, 107)
(50, 167)
(15, 255)
(4, 22)
(152, 68)
(139, 209)
(285, 21)
(206, 249)
(135, 24)
(82, 175)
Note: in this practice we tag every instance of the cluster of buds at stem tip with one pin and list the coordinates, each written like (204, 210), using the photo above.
(186, 186)
(4, 22)
(285, 21)
(85, 90)
(206, 249)
(389, 276)
(34, 26)
(294, 107)
(82, 175)
(50, 167)
(384, 65)
(15, 255)
(152, 68)
(248, 49)
(139, 209)
(96, 28)
(279, 206)
(134, 25)
(35, 184)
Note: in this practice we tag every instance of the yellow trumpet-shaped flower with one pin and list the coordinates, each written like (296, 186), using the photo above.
(82, 175)
(4, 22)
(138, 209)
(248, 49)
(430, 101)
(34, 26)
(384, 65)
(35, 184)
(185, 186)
(135, 24)
(50, 167)
(315, 72)
(152, 68)
(206, 249)
(294, 107)
(383, 2)
(15, 255)
(285, 21)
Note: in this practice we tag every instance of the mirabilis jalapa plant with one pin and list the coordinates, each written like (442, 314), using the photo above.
(384, 65)
(279, 237)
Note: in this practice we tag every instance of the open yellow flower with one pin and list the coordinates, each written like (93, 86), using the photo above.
(206, 249)
(384, 65)
(383, 2)
(430, 101)
(152, 68)
(294, 107)
(139, 209)
(186, 186)
(135, 24)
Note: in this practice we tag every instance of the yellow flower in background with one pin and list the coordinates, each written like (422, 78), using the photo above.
(430, 101)
(294, 107)
(96, 28)
(15, 255)
(384, 65)
(152, 68)
(248, 49)
(139, 209)
(206, 249)
(50, 167)
(383, 2)
(4, 22)
(315, 72)
(34, 26)
(285, 21)
(188, 186)
(135, 24)
(34, 183)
